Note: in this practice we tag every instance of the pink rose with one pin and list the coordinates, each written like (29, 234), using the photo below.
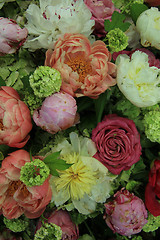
(118, 143)
(15, 197)
(153, 2)
(61, 218)
(126, 213)
(58, 112)
(86, 69)
(15, 119)
(101, 10)
(11, 36)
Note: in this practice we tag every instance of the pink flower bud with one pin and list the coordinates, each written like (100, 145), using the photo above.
(11, 36)
(58, 112)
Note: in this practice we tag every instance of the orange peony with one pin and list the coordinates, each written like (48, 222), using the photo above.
(86, 69)
(15, 197)
(15, 119)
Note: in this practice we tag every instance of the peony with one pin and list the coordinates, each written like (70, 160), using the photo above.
(137, 80)
(58, 112)
(15, 197)
(148, 25)
(55, 18)
(87, 182)
(153, 2)
(101, 11)
(86, 69)
(126, 213)
(152, 60)
(152, 191)
(11, 36)
(15, 119)
(62, 218)
(118, 143)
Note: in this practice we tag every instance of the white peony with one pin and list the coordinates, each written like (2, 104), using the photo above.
(55, 18)
(87, 182)
(137, 81)
(148, 25)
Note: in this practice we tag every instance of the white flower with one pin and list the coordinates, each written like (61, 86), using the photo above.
(133, 36)
(148, 25)
(55, 18)
(137, 81)
(87, 182)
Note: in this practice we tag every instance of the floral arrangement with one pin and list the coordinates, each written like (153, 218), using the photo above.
(80, 119)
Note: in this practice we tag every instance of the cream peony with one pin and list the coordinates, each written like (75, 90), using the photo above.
(148, 25)
(137, 81)
(55, 18)
(87, 182)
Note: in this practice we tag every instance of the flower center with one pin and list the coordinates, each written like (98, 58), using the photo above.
(13, 187)
(81, 66)
(77, 179)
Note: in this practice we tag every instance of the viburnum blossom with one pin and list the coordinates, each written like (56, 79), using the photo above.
(148, 26)
(137, 81)
(12, 36)
(85, 69)
(55, 18)
(15, 197)
(86, 182)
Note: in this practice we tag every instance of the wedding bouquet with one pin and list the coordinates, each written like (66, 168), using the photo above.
(80, 119)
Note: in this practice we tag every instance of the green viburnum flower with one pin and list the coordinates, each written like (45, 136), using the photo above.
(16, 225)
(152, 224)
(117, 40)
(33, 102)
(45, 81)
(34, 173)
(152, 125)
(49, 231)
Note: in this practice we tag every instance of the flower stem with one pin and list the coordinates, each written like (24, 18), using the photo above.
(89, 230)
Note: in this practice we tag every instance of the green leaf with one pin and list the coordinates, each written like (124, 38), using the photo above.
(116, 22)
(101, 102)
(136, 9)
(1, 156)
(2, 82)
(55, 163)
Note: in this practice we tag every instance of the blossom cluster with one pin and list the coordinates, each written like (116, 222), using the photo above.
(79, 119)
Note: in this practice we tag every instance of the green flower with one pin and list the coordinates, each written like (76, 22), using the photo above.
(45, 81)
(152, 224)
(34, 173)
(49, 231)
(33, 102)
(16, 225)
(152, 125)
(117, 40)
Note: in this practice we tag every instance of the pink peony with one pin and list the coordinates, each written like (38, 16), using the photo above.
(15, 197)
(152, 191)
(86, 69)
(118, 143)
(152, 60)
(101, 10)
(62, 218)
(11, 36)
(126, 214)
(58, 112)
(15, 119)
